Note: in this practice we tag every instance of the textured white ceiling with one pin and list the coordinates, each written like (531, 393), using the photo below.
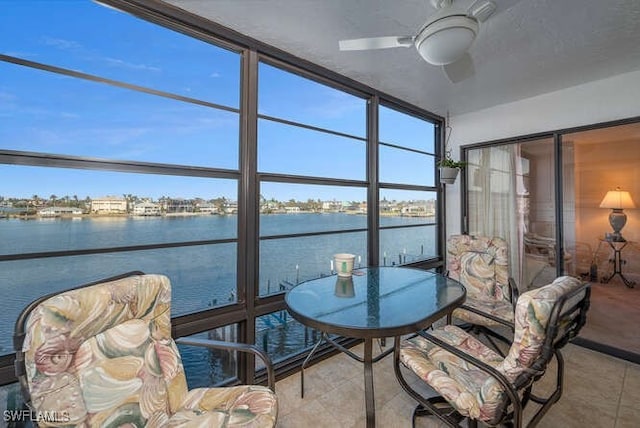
(527, 48)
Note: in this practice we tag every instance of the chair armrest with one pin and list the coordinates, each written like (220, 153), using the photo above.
(234, 346)
(515, 292)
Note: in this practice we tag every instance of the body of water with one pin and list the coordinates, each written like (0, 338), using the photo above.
(202, 276)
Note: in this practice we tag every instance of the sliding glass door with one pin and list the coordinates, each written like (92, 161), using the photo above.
(550, 198)
(510, 194)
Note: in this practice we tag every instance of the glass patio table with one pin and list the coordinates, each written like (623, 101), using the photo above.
(373, 303)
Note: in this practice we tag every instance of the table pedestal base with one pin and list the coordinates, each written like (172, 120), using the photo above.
(367, 359)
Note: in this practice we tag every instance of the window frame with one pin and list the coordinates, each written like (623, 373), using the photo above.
(250, 305)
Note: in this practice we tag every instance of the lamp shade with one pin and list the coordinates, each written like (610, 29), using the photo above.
(617, 199)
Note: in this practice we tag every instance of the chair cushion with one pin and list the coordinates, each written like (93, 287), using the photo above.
(246, 405)
(104, 353)
(532, 317)
(497, 308)
(470, 390)
(481, 264)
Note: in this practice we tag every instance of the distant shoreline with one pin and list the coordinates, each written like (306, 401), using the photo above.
(191, 214)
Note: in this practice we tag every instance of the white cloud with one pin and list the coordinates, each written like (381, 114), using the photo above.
(62, 44)
(335, 105)
(123, 64)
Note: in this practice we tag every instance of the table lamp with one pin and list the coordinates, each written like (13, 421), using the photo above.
(617, 200)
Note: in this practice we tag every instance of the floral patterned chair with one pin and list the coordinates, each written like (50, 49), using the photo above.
(481, 264)
(102, 355)
(476, 383)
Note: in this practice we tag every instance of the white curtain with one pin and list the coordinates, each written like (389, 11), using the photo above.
(498, 200)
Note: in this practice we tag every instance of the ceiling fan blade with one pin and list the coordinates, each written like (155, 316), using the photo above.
(376, 43)
(459, 70)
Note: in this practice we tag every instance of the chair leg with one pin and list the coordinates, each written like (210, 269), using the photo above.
(494, 345)
(382, 342)
(439, 407)
(555, 395)
(417, 412)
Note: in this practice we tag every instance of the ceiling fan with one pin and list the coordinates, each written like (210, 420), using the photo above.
(443, 40)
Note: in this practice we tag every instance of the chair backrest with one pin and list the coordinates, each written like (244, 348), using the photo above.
(481, 264)
(98, 352)
(546, 319)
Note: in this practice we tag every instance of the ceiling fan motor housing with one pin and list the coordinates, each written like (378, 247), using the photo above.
(446, 40)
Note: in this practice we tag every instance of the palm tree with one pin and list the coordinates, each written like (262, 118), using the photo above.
(128, 198)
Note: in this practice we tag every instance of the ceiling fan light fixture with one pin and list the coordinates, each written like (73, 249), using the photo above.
(446, 40)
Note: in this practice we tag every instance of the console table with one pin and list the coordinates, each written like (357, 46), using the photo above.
(617, 261)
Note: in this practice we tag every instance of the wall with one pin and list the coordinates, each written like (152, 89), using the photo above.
(599, 168)
(600, 101)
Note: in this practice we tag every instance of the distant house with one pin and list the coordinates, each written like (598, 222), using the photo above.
(413, 208)
(292, 210)
(146, 209)
(179, 206)
(208, 208)
(331, 206)
(59, 211)
(417, 208)
(349, 206)
(109, 205)
(269, 207)
(231, 208)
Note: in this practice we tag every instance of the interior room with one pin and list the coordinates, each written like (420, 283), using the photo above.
(252, 194)
(614, 313)
(522, 176)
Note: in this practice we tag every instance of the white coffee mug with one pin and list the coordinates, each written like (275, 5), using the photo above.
(344, 263)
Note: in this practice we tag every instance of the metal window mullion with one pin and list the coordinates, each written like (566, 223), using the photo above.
(104, 250)
(247, 269)
(439, 136)
(464, 194)
(559, 181)
(310, 127)
(22, 158)
(308, 234)
(373, 188)
(408, 226)
(112, 82)
(301, 179)
(416, 187)
(408, 149)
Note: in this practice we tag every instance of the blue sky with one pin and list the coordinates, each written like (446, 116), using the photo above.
(52, 113)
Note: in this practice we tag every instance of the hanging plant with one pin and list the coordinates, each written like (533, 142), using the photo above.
(449, 168)
(447, 162)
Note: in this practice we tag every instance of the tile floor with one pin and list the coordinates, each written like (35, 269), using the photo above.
(599, 392)
(614, 316)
